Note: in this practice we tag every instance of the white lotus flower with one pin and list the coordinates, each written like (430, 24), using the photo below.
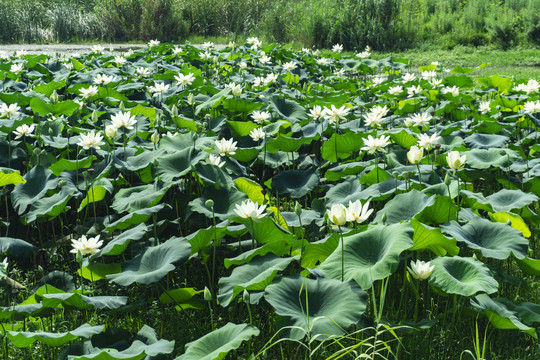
(16, 68)
(289, 66)
(142, 71)
(260, 116)
(177, 50)
(428, 75)
(413, 90)
(395, 90)
(154, 138)
(184, 80)
(226, 147)
(531, 107)
(236, 89)
(257, 134)
(336, 114)
(322, 61)
(339, 73)
(92, 90)
(90, 140)
(265, 60)
(420, 270)
(373, 119)
(215, 160)
(421, 119)
(484, 107)
(358, 213)
(415, 154)
(436, 82)
(3, 268)
(337, 48)
(455, 161)
(250, 210)
(207, 45)
(97, 49)
(316, 112)
(270, 78)
(337, 214)
(205, 55)
(86, 246)
(191, 99)
(24, 130)
(123, 119)
(425, 141)
(120, 60)
(104, 79)
(408, 77)
(153, 43)
(373, 145)
(111, 131)
(9, 111)
(158, 89)
(454, 90)
(258, 81)
(380, 110)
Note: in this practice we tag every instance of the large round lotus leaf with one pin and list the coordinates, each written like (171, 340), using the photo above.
(485, 141)
(404, 206)
(225, 200)
(16, 247)
(39, 180)
(500, 314)
(83, 302)
(507, 200)
(217, 344)
(320, 308)
(484, 158)
(462, 276)
(288, 110)
(295, 183)
(342, 193)
(255, 275)
(495, 240)
(153, 263)
(138, 197)
(24, 339)
(370, 255)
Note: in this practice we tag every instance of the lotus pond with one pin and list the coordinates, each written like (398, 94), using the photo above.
(258, 202)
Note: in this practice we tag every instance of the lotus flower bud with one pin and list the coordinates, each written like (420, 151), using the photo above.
(447, 180)
(207, 294)
(297, 209)
(245, 296)
(209, 203)
(383, 218)
(174, 111)
(122, 106)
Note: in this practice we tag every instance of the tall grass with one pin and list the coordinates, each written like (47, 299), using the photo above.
(382, 24)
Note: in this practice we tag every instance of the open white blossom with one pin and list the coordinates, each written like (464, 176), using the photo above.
(322, 61)
(408, 77)
(415, 154)
(395, 90)
(120, 60)
(290, 66)
(270, 78)
(265, 60)
(86, 246)
(425, 141)
(257, 134)
(9, 111)
(208, 45)
(158, 89)
(90, 140)
(226, 147)
(250, 210)
(454, 90)
(358, 213)
(334, 114)
(236, 89)
(142, 71)
(428, 75)
(184, 80)
(455, 161)
(97, 49)
(484, 107)
(177, 50)
(316, 112)
(337, 214)
(260, 116)
(153, 43)
(337, 48)
(373, 145)
(205, 55)
(123, 120)
(420, 270)
(16, 68)
(24, 130)
(215, 160)
(413, 90)
(531, 107)
(104, 79)
(373, 119)
(421, 119)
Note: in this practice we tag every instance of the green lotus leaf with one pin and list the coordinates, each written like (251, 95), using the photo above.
(201, 238)
(94, 194)
(71, 165)
(529, 266)
(241, 128)
(429, 238)
(462, 276)
(48, 88)
(178, 164)
(370, 255)
(516, 221)
(508, 200)
(494, 240)
(500, 315)
(442, 211)
(295, 183)
(347, 144)
(24, 339)
(403, 138)
(486, 141)
(10, 177)
(217, 344)
(213, 176)
(153, 263)
(16, 247)
(99, 271)
(51, 206)
(475, 200)
(247, 154)
(342, 193)
(288, 110)
(238, 105)
(485, 158)
(214, 101)
(265, 230)
(255, 275)
(142, 160)
(318, 307)
(503, 84)
(20, 312)
(224, 200)
(42, 108)
(82, 302)
(251, 188)
(353, 168)
(139, 197)
(120, 243)
(39, 180)
(285, 143)
(182, 298)
(275, 247)
(111, 345)
(461, 81)
(134, 218)
(404, 206)
(318, 251)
